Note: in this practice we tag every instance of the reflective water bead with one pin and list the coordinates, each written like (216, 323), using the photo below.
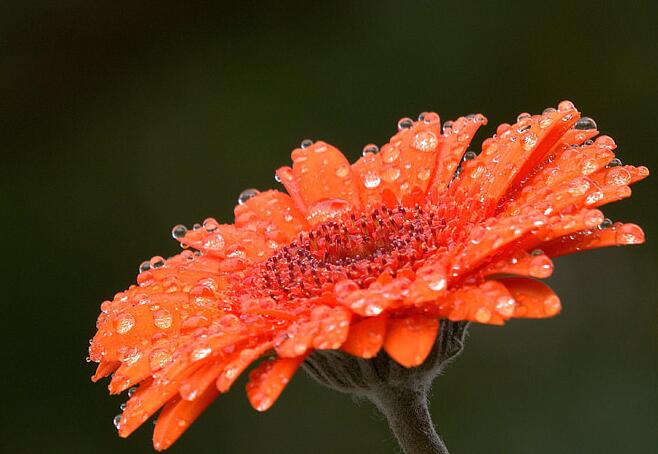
(157, 262)
(132, 391)
(370, 148)
(607, 223)
(144, 266)
(425, 141)
(447, 127)
(247, 194)
(470, 155)
(306, 143)
(430, 118)
(523, 116)
(371, 180)
(117, 421)
(179, 231)
(210, 224)
(585, 123)
(548, 110)
(565, 105)
(616, 162)
(405, 123)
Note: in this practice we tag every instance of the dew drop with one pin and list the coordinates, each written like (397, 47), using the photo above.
(585, 124)
(565, 105)
(371, 180)
(117, 421)
(144, 266)
(162, 319)
(157, 262)
(306, 143)
(158, 358)
(247, 194)
(179, 231)
(210, 225)
(342, 171)
(132, 391)
(548, 110)
(606, 224)
(447, 127)
(469, 155)
(370, 148)
(616, 162)
(425, 141)
(429, 118)
(390, 174)
(405, 123)
(523, 116)
(124, 323)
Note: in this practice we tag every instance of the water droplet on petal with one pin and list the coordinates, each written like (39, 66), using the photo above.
(124, 323)
(342, 171)
(117, 421)
(607, 223)
(616, 162)
(144, 266)
(405, 123)
(371, 180)
(585, 124)
(469, 155)
(157, 262)
(306, 143)
(523, 116)
(179, 231)
(425, 141)
(565, 105)
(247, 194)
(162, 319)
(370, 148)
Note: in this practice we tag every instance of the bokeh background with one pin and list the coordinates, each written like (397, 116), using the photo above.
(119, 121)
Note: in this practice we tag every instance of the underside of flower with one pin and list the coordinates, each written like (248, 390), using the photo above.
(360, 268)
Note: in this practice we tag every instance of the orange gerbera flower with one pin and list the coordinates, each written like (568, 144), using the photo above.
(360, 258)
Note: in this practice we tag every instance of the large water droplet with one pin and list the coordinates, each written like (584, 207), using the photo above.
(425, 141)
(405, 123)
(371, 180)
(124, 323)
(117, 421)
(157, 262)
(162, 319)
(306, 143)
(585, 123)
(469, 155)
(247, 194)
(370, 148)
(179, 231)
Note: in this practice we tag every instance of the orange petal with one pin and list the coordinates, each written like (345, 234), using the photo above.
(366, 337)
(534, 299)
(104, 369)
(409, 340)
(323, 174)
(616, 235)
(454, 143)
(521, 264)
(237, 363)
(514, 153)
(273, 213)
(267, 381)
(489, 302)
(178, 415)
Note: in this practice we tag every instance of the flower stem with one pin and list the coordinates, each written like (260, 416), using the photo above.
(409, 418)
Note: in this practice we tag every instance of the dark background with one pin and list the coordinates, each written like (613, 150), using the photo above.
(120, 121)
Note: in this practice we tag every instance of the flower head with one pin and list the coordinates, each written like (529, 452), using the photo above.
(362, 257)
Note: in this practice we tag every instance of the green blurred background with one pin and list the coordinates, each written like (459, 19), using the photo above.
(120, 121)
